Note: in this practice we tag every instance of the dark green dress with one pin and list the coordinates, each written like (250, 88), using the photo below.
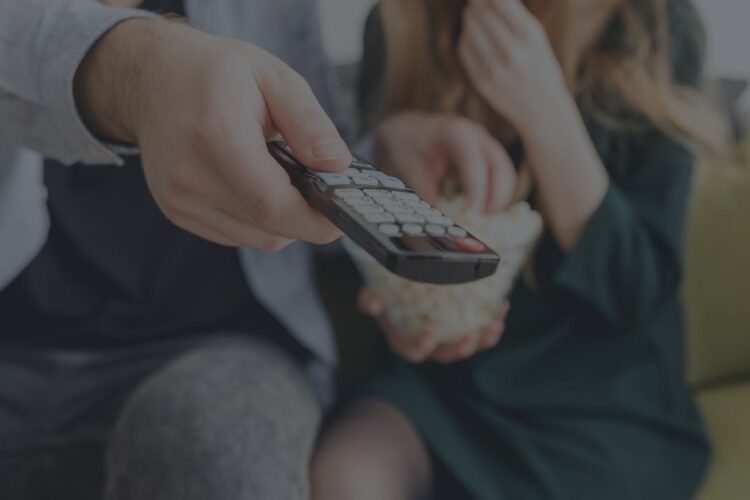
(585, 398)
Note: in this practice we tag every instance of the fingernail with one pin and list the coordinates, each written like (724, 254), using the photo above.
(331, 150)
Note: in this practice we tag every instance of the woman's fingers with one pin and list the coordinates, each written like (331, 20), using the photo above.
(502, 177)
(467, 155)
(457, 351)
(514, 14)
(415, 348)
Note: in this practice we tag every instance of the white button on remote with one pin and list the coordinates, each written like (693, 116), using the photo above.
(391, 182)
(399, 209)
(349, 193)
(410, 219)
(379, 218)
(368, 209)
(377, 193)
(401, 195)
(364, 180)
(440, 220)
(389, 229)
(434, 230)
(457, 232)
(412, 229)
(353, 202)
(333, 179)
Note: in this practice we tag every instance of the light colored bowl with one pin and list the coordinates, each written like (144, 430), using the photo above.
(454, 310)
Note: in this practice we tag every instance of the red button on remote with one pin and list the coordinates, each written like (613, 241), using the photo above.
(470, 245)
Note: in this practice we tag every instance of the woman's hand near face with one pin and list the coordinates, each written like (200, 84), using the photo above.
(424, 346)
(508, 58)
(423, 149)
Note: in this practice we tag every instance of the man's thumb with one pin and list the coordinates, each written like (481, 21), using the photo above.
(302, 122)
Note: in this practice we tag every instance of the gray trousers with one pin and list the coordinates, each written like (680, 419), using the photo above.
(230, 418)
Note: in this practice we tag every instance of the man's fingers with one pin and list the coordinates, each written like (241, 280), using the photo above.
(301, 120)
(267, 194)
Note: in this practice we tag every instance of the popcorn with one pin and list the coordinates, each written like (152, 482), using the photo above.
(454, 310)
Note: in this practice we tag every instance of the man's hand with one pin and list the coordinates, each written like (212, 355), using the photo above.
(201, 110)
(424, 148)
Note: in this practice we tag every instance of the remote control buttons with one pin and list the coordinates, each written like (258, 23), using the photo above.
(377, 193)
(355, 202)
(412, 229)
(379, 218)
(404, 196)
(389, 229)
(470, 245)
(332, 179)
(410, 219)
(357, 163)
(388, 181)
(368, 209)
(440, 220)
(349, 193)
(434, 230)
(364, 180)
(457, 232)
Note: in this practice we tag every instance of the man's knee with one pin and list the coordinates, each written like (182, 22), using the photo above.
(231, 421)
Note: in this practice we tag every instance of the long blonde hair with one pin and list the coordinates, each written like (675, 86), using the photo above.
(623, 79)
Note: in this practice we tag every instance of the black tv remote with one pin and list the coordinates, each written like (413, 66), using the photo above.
(390, 222)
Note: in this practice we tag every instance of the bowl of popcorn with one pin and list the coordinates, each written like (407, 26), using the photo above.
(453, 310)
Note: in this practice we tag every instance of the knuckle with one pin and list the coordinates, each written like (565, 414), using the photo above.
(272, 244)
(183, 180)
(265, 209)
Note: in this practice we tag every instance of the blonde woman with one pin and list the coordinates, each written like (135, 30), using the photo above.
(585, 398)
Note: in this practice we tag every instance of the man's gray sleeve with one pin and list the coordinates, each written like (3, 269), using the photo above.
(42, 43)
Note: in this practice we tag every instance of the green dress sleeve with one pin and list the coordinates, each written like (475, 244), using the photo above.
(629, 259)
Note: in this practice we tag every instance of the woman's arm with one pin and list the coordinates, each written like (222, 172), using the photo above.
(623, 241)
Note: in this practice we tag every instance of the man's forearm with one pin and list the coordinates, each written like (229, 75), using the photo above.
(111, 82)
(42, 43)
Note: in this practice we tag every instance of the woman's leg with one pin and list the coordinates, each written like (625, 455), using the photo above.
(371, 452)
(223, 422)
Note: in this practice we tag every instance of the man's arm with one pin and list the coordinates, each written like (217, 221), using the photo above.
(42, 44)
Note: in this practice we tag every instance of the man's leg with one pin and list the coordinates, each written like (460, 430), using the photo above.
(233, 421)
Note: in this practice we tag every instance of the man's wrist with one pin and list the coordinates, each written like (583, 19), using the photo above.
(112, 82)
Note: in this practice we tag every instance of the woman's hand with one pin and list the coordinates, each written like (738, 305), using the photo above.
(423, 149)
(424, 346)
(508, 58)
(510, 61)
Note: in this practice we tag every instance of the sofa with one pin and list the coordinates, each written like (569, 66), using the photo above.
(717, 299)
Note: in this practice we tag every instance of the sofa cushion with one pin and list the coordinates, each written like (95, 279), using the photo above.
(717, 291)
(726, 411)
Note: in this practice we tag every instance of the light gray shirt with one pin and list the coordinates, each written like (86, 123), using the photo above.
(42, 43)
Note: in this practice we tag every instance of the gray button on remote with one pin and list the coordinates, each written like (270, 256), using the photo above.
(333, 179)
(406, 196)
(379, 218)
(440, 220)
(412, 229)
(434, 230)
(410, 219)
(353, 202)
(364, 180)
(377, 193)
(457, 232)
(368, 209)
(349, 193)
(389, 229)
